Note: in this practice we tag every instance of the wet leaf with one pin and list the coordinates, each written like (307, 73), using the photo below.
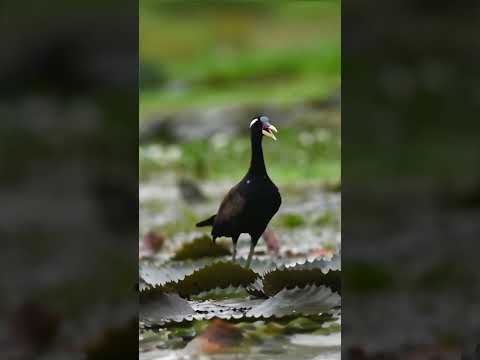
(216, 275)
(171, 271)
(201, 247)
(142, 285)
(159, 307)
(256, 288)
(298, 274)
(222, 294)
(322, 264)
(260, 266)
(311, 300)
(275, 281)
(225, 309)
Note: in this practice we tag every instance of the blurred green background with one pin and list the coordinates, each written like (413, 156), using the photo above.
(253, 56)
(229, 52)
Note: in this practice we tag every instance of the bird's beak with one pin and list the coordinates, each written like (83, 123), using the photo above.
(269, 131)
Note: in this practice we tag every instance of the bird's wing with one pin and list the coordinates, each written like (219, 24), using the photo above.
(231, 208)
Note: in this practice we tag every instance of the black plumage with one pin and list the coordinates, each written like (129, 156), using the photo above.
(250, 205)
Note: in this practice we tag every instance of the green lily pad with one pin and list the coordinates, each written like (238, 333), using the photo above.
(160, 307)
(310, 300)
(216, 275)
(323, 264)
(201, 247)
(155, 275)
(276, 280)
(222, 294)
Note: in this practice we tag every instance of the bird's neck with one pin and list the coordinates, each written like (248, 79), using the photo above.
(257, 162)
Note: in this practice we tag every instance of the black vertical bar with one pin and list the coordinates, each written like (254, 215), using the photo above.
(410, 179)
(69, 176)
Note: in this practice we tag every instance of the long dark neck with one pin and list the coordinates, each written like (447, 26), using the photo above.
(257, 163)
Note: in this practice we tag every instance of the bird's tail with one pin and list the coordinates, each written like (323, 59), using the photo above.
(207, 222)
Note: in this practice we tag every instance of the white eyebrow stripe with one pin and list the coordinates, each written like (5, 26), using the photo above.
(253, 122)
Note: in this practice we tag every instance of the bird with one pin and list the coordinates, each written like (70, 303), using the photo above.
(250, 205)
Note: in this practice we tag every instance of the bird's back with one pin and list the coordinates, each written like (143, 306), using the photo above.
(247, 208)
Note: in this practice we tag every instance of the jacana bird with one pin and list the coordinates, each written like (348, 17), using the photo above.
(250, 205)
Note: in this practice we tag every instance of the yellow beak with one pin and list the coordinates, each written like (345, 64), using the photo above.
(269, 132)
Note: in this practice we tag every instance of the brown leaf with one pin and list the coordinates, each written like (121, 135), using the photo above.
(219, 337)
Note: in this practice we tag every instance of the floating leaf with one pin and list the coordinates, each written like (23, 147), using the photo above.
(256, 288)
(221, 294)
(201, 247)
(225, 309)
(160, 307)
(142, 285)
(216, 275)
(325, 265)
(259, 266)
(171, 271)
(276, 280)
(310, 300)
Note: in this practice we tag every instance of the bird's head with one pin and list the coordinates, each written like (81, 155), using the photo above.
(261, 125)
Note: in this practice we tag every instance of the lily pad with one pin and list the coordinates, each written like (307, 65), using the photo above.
(142, 285)
(256, 288)
(171, 271)
(323, 264)
(276, 280)
(225, 309)
(201, 247)
(216, 275)
(222, 294)
(310, 300)
(160, 307)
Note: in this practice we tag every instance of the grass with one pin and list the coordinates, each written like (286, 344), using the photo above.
(274, 78)
(217, 55)
(288, 160)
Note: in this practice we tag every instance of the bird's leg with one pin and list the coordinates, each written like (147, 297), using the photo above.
(234, 240)
(250, 253)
